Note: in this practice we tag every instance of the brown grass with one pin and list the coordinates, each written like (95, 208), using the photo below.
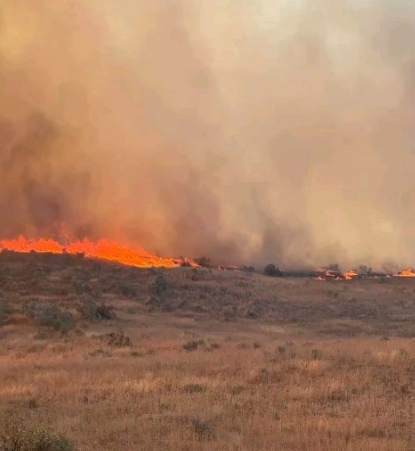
(313, 371)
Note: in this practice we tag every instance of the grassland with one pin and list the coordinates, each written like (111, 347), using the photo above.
(216, 360)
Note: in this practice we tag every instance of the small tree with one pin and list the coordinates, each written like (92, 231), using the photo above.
(272, 271)
(364, 270)
(204, 262)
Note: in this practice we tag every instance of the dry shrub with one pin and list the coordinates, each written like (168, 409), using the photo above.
(160, 285)
(117, 339)
(272, 271)
(194, 345)
(203, 429)
(194, 388)
(16, 435)
(91, 311)
(50, 316)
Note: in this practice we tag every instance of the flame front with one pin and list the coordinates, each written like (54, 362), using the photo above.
(103, 250)
(406, 273)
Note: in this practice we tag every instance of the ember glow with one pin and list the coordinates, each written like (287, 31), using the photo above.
(102, 250)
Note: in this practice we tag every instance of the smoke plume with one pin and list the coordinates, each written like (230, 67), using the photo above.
(248, 130)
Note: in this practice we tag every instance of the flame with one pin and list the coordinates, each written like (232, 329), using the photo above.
(103, 250)
(350, 275)
(410, 272)
(330, 274)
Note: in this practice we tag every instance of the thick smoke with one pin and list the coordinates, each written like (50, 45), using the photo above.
(247, 130)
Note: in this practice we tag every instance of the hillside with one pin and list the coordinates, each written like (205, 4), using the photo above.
(120, 358)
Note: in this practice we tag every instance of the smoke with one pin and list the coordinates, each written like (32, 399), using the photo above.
(246, 130)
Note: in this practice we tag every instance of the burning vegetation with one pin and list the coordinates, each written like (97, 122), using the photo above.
(115, 252)
(102, 250)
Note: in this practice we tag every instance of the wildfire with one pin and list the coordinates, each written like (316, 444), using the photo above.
(103, 250)
(406, 273)
(329, 274)
(350, 275)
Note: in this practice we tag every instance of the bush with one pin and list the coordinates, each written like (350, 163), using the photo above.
(160, 285)
(203, 429)
(194, 388)
(91, 311)
(204, 262)
(364, 270)
(38, 439)
(272, 271)
(128, 291)
(248, 269)
(81, 288)
(194, 345)
(117, 339)
(16, 435)
(50, 315)
(105, 312)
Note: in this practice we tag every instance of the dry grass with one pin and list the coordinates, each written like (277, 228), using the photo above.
(308, 373)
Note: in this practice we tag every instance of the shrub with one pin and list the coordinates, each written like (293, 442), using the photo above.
(16, 435)
(194, 388)
(50, 315)
(316, 354)
(204, 262)
(364, 270)
(39, 439)
(203, 429)
(160, 285)
(248, 269)
(33, 404)
(81, 288)
(194, 345)
(117, 339)
(91, 311)
(128, 291)
(105, 312)
(272, 271)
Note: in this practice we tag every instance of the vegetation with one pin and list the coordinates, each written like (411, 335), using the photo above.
(272, 270)
(225, 361)
(17, 435)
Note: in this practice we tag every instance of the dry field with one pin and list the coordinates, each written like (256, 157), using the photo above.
(206, 360)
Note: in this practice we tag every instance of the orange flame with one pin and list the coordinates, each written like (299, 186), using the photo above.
(103, 250)
(350, 275)
(406, 273)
